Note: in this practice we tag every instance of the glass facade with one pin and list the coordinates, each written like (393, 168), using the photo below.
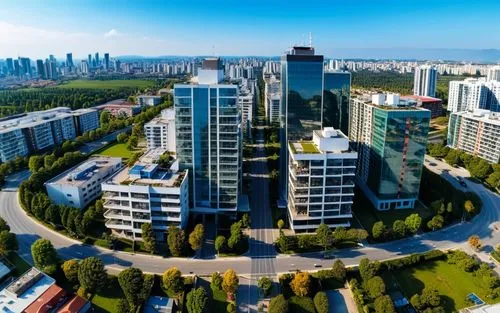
(208, 127)
(336, 94)
(399, 140)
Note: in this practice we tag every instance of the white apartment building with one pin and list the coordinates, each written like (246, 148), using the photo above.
(146, 193)
(86, 120)
(246, 100)
(144, 100)
(80, 185)
(477, 133)
(272, 99)
(425, 81)
(321, 181)
(160, 131)
(474, 93)
(493, 73)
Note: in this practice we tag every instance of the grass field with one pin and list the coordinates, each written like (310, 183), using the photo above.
(107, 300)
(117, 150)
(107, 84)
(452, 283)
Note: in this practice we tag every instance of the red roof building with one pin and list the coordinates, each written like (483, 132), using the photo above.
(435, 105)
(75, 305)
(49, 300)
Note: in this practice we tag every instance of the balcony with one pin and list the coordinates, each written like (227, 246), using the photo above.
(116, 214)
(118, 224)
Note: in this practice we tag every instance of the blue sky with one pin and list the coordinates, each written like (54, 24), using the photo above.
(37, 28)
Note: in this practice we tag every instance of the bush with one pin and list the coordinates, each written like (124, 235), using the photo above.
(301, 305)
(321, 302)
(278, 304)
(216, 281)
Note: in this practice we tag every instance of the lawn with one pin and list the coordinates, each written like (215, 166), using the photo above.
(116, 150)
(452, 283)
(107, 300)
(107, 84)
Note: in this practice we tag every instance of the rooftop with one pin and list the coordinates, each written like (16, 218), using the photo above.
(34, 118)
(304, 147)
(47, 300)
(81, 173)
(421, 98)
(84, 111)
(482, 115)
(73, 305)
(327, 140)
(147, 174)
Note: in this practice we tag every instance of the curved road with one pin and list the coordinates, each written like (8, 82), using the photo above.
(28, 230)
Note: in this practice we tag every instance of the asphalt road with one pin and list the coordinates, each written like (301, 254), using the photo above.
(27, 230)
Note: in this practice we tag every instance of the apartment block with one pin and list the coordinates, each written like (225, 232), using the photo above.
(390, 139)
(80, 185)
(160, 131)
(246, 100)
(476, 132)
(146, 193)
(474, 93)
(148, 100)
(425, 81)
(321, 181)
(86, 120)
(272, 98)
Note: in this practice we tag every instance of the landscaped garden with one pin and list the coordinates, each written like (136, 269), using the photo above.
(117, 150)
(108, 84)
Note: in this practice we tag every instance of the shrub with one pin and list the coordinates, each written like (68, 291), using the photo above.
(321, 302)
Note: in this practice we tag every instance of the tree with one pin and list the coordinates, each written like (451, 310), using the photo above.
(35, 163)
(220, 243)
(301, 284)
(383, 304)
(173, 283)
(469, 207)
(122, 137)
(197, 237)
(132, 142)
(430, 298)
(281, 224)
(368, 269)
(230, 282)
(474, 242)
(324, 236)
(92, 274)
(104, 118)
(44, 256)
(416, 301)
(176, 241)
(479, 169)
(375, 287)
(197, 301)
(52, 215)
(48, 160)
(436, 222)
(321, 302)
(231, 308)
(135, 285)
(378, 230)
(70, 269)
(216, 281)
(339, 271)
(148, 237)
(399, 228)
(278, 304)
(245, 220)
(8, 242)
(236, 236)
(453, 157)
(265, 284)
(4, 225)
(122, 306)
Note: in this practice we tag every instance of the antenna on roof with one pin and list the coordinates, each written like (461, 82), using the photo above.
(310, 40)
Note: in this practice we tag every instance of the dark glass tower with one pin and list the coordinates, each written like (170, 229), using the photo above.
(301, 101)
(336, 94)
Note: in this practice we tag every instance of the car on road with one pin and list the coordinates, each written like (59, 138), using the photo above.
(317, 265)
(432, 164)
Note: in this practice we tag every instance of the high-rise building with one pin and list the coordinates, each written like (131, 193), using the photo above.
(106, 61)
(301, 102)
(84, 67)
(17, 68)
(69, 60)
(97, 61)
(10, 66)
(160, 131)
(336, 94)
(272, 99)
(209, 140)
(40, 68)
(493, 73)
(391, 142)
(321, 177)
(425, 81)
(474, 93)
(89, 60)
(25, 64)
(476, 132)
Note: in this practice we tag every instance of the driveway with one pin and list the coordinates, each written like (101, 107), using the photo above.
(341, 301)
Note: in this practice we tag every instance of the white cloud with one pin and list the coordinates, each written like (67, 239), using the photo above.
(112, 33)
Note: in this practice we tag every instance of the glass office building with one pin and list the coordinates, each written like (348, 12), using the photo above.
(208, 143)
(301, 101)
(336, 94)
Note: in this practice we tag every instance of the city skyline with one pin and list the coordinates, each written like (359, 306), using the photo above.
(156, 29)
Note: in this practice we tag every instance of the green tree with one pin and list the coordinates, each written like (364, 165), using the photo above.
(122, 306)
(176, 241)
(265, 284)
(44, 256)
(52, 215)
(230, 282)
(413, 222)
(122, 137)
(321, 302)
(399, 228)
(469, 207)
(375, 287)
(236, 236)
(4, 225)
(148, 237)
(339, 271)
(197, 237)
(301, 284)
(281, 224)
(278, 304)
(70, 270)
(453, 157)
(378, 230)
(35, 163)
(368, 269)
(479, 169)
(324, 236)
(105, 118)
(198, 301)
(48, 160)
(216, 281)
(8, 242)
(92, 274)
(132, 142)
(245, 220)
(173, 283)
(220, 244)
(436, 222)
(135, 285)
(383, 304)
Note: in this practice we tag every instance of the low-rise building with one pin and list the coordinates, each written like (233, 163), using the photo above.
(80, 185)
(160, 131)
(76, 305)
(321, 180)
(86, 120)
(435, 105)
(146, 193)
(144, 100)
(120, 108)
(476, 133)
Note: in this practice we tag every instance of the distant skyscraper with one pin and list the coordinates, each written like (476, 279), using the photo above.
(25, 64)
(69, 59)
(17, 69)
(336, 94)
(425, 81)
(89, 60)
(106, 61)
(84, 67)
(40, 68)
(301, 102)
(390, 141)
(97, 62)
(117, 65)
(10, 66)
